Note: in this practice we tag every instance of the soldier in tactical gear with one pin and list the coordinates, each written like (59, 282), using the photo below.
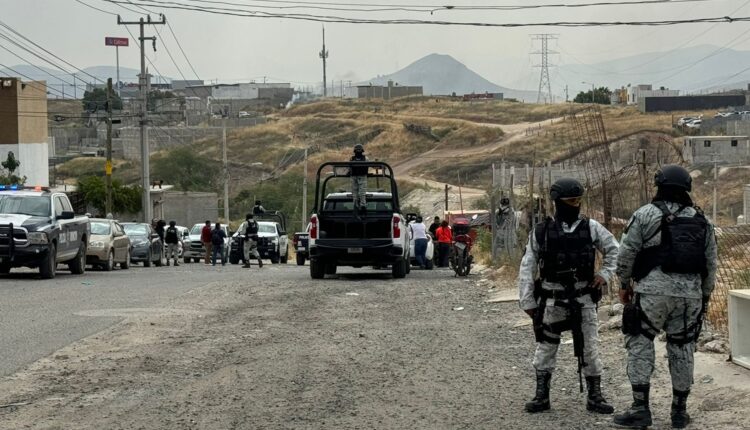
(258, 209)
(669, 250)
(359, 179)
(249, 234)
(561, 251)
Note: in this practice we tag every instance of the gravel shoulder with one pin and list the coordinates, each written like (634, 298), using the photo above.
(354, 351)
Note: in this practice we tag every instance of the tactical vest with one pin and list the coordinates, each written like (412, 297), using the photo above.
(562, 252)
(682, 248)
(251, 229)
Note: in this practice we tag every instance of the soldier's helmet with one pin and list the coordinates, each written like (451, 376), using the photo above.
(566, 188)
(248, 216)
(172, 223)
(358, 148)
(674, 175)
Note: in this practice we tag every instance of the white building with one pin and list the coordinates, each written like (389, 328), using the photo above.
(248, 91)
(636, 92)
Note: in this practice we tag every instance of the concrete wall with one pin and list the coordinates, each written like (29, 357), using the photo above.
(688, 103)
(186, 208)
(160, 138)
(34, 159)
(390, 92)
(703, 149)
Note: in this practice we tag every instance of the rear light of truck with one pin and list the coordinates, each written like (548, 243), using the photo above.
(396, 227)
(314, 227)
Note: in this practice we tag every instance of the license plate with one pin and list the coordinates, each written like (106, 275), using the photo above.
(355, 250)
(301, 248)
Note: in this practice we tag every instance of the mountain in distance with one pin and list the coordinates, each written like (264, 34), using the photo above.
(443, 75)
(702, 68)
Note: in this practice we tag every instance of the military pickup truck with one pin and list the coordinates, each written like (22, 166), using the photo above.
(38, 229)
(341, 235)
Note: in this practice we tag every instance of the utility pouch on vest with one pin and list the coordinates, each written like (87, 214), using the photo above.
(631, 320)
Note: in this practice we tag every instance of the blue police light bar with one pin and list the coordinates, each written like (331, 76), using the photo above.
(16, 187)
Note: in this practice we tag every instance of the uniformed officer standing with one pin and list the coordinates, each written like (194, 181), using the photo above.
(669, 250)
(249, 234)
(359, 179)
(563, 251)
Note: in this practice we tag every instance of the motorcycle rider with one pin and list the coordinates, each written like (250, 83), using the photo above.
(249, 235)
(558, 247)
(669, 250)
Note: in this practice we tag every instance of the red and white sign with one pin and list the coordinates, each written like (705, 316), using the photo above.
(116, 41)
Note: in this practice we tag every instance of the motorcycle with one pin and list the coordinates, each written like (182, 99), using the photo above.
(461, 258)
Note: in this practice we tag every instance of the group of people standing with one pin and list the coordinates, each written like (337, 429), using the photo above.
(441, 232)
(666, 265)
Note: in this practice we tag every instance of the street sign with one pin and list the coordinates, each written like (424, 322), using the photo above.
(116, 41)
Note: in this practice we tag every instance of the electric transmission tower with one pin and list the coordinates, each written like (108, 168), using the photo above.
(544, 81)
(324, 55)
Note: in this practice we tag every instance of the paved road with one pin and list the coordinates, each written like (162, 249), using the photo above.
(38, 317)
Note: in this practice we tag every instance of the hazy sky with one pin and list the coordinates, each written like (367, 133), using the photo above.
(233, 48)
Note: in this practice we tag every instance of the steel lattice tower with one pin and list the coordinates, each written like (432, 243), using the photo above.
(544, 81)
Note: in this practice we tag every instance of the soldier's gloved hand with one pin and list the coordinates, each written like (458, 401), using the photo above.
(530, 312)
(626, 295)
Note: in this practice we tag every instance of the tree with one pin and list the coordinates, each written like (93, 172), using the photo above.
(601, 95)
(125, 199)
(187, 170)
(96, 99)
(10, 164)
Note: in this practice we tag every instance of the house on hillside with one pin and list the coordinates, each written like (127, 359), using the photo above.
(392, 91)
(722, 149)
(636, 92)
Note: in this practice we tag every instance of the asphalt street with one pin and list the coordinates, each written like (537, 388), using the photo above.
(38, 316)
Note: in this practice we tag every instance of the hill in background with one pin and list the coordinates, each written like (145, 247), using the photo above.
(444, 75)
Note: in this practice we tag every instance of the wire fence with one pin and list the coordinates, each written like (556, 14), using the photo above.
(733, 271)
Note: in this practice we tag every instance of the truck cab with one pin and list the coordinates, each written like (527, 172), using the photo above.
(339, 235)
(38, 229)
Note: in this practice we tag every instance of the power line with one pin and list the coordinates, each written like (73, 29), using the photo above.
(338, 19)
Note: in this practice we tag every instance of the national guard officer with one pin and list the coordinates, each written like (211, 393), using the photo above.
(248, 232)
(669, 250)
(359, 179)
(562, 251)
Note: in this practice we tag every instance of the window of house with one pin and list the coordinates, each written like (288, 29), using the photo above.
(706, 143)
(734, 143)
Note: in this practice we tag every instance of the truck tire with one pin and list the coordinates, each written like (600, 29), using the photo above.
(274, 258)
(148, 261)
(407, 265)
(48, 265)
(330, 269)
(187, 260)
(398, 269)
(234, 259)
(77, 265)
(5, 268)
(125, 265)
(300, 260)
(285, 258)
(317, 269)
(110, 263)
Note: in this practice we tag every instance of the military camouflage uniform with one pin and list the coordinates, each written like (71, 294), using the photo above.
(671, 301)
(546, 353)
(359, 188)
(249, 246)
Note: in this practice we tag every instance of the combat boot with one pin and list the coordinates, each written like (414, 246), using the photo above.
(246, 266)
(260, 263)
(596, 401)
(639, 414)
(680, 417)
(540, 402)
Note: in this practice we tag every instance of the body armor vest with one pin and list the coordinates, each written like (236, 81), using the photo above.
(563, 252)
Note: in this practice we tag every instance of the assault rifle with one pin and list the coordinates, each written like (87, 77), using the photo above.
(567, 279)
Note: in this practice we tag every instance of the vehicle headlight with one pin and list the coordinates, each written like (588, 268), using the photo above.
(275, 240)
(140, 244)
(37, 238)
(96, 244)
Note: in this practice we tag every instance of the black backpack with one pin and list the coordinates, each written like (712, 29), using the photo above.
(216, 237)
(682, 248)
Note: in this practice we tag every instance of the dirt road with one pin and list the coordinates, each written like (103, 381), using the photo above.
(354, 351)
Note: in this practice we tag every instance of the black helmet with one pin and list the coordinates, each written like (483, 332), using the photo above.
(674, 175)
(249, 216)
(257, 202)
(564, 188)
(172, 223)
(505, 201)
(358, 148)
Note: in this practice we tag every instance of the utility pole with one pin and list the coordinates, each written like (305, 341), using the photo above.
(566, 93)
(108, 164)
(117, 62)
(304, 196)
(143, 81)
(324, 55)
(226, 171)
(75, 93)
(446, 197)
(716, 179)
(544, 80)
